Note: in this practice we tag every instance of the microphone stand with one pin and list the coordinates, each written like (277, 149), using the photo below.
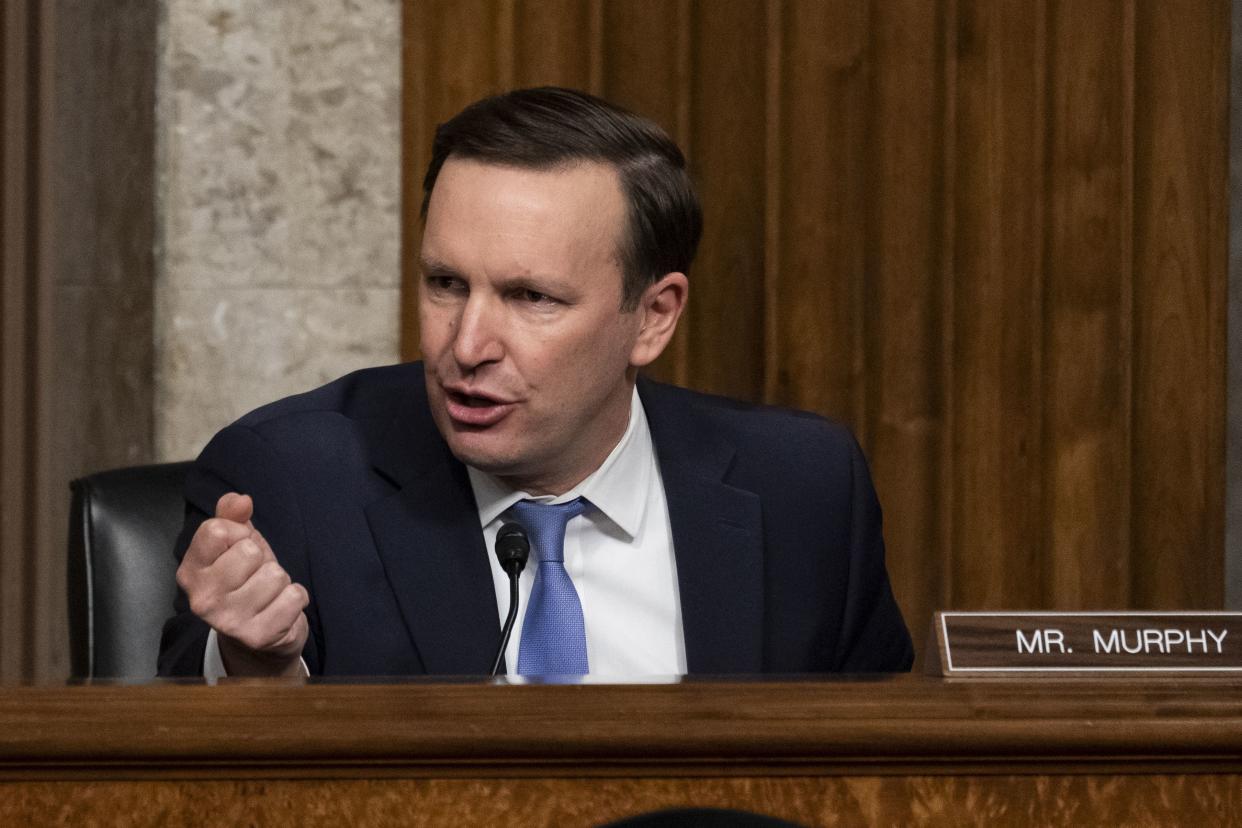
(512, 550)
(509, 619)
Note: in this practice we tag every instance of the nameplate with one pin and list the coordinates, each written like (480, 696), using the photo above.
(1086, 643)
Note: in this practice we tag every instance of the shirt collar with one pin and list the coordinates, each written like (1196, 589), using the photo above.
(618, 488)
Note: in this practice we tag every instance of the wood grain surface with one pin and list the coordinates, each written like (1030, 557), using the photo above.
(571, 802)
(906, 723)
(907, 750)
(990, 235)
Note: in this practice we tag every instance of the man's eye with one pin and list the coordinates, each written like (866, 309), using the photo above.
(445, 283)
(534, 297)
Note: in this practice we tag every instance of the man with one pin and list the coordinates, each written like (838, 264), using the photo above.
(346, 530)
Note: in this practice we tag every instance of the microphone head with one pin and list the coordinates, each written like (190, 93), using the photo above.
(512, 548)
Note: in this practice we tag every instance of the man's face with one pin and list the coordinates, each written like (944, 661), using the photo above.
(529, 358)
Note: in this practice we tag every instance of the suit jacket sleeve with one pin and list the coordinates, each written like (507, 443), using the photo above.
(237, 460)
(874, 637)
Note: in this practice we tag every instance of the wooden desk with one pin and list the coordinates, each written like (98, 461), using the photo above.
(908, 750)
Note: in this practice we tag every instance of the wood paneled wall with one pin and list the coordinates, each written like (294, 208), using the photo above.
(23, 330)
(77, 93)
(988, 234)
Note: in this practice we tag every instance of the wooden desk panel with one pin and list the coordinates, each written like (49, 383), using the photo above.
(830, 801)
(898, 751)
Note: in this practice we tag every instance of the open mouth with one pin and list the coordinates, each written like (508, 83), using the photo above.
(475, 410)
(471, 401)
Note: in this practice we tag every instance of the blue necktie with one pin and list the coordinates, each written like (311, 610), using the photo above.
(553, 632)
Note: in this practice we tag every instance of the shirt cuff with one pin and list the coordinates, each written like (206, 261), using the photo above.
(213, 662)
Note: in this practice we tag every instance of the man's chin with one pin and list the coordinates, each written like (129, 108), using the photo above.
(483, 447)
(497, 450)
(477, 451)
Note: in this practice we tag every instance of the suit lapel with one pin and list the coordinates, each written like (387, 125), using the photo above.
(428, 537)
(717, 538)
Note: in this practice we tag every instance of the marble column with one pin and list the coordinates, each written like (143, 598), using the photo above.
(277, 201)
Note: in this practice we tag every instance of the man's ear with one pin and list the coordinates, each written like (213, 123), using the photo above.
(658, 311)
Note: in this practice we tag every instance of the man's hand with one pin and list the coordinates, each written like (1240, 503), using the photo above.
(235, 584)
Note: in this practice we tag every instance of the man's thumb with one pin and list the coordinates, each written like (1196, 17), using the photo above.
(235, 507)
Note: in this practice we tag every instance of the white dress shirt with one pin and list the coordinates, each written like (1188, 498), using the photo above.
(619, 555)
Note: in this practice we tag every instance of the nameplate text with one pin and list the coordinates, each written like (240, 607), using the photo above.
(1171, 643)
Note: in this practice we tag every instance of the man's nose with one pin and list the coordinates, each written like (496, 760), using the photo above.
(478, 339)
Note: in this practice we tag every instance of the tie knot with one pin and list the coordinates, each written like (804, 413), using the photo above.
(545, 524)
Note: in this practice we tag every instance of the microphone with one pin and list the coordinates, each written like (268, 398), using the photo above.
(512, 550)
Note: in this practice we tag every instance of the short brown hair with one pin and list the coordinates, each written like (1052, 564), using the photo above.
(550, 126)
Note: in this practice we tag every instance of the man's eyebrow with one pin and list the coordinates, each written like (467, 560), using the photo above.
(435, 267)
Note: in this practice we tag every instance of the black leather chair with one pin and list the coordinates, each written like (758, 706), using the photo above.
(121, 571)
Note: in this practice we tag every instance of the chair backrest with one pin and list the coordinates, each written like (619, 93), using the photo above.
(121, 570)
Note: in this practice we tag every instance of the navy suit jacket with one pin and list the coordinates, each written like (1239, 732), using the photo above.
(776, 532)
